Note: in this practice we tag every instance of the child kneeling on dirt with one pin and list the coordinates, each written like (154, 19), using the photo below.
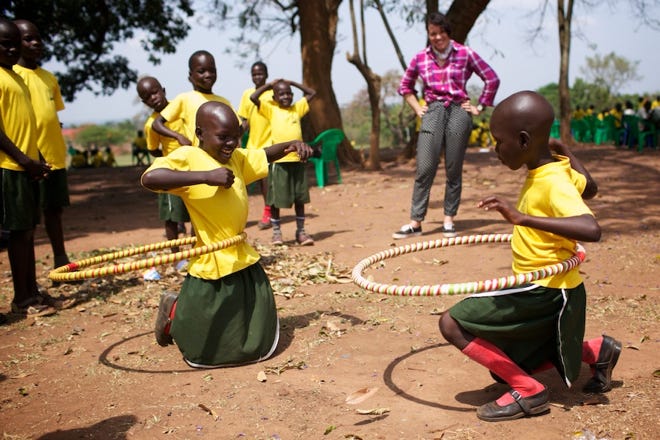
(523, 330)
(225, 313)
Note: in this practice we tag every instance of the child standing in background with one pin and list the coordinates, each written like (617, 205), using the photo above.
(287, 179)
(203, 75)
(171, 208)
(20, 169)
(259, 127)
(523, 330)
(46, 101)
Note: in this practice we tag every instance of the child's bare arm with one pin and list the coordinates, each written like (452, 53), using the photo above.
(162, 129)
(278, 151)
(254, 97)
(581, 227)
(309, 93)
(36, 169)
(591, 189)
(164, 179)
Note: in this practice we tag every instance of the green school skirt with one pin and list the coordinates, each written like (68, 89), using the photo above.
(531, 324)
(171, 208)
(287, 184)
(54, 190)
(226, 322)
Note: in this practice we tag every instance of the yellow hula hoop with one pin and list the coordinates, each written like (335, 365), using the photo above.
(458, 288)
(70, 272)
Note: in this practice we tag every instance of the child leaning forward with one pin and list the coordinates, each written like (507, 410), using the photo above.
(225, 312)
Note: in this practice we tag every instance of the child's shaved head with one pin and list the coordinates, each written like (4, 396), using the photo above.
(525, 111)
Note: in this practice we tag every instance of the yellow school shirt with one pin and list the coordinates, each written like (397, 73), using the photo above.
(185, 106)
(552, 190)
(17, 120)
(285, 123)
(215, 212)
(46, 101)
(259, 134)
(155, 140)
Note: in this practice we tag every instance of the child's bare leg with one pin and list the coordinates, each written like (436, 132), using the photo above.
(172, 232)
(21, 260)
(53, 225)
(264, 223)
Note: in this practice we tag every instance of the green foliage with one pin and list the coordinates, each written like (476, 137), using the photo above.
(105, 135)
(585, 94)
(81, 34)
(610, 72)
(551, 93)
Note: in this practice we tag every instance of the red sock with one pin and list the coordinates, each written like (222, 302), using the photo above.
(267, 210)
(172, 311)
(547, 365)
(491, 357)
(591, 349)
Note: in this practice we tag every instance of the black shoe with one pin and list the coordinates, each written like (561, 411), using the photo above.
(167, 300)
(407, 231)
(608, 356)
(521, 407)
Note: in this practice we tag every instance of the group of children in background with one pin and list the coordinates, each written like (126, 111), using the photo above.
(225, 312)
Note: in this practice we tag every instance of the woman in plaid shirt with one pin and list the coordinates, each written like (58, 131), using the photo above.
(444, 67)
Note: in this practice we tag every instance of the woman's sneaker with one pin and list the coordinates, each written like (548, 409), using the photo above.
(407, 231)
(449, 232)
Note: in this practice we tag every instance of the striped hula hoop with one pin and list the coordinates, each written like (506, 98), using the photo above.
(457, 288)
(70, 272)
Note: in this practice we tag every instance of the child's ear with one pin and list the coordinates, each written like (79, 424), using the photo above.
(523, 140)
(198, 132)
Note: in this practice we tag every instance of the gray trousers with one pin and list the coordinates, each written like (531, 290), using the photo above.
(448, 129)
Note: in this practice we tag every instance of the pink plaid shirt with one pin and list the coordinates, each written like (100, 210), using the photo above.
(447, 83)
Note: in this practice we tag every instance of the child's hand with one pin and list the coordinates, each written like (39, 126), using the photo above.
(511, 214)
(182, 140)
(220, 177)
(36, 170)
(304, 151)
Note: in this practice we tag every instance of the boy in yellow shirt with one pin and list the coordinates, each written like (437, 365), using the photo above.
(20, 169)
(259, 126)
(287, 180)
(46, 101)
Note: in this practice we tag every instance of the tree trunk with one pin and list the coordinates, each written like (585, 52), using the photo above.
(318, 33)
(564, 16)
(373, 86)
(462, 14)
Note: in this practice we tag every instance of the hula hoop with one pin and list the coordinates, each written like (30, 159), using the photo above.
(69, 272)
(457, 288)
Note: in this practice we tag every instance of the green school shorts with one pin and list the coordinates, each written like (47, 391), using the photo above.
(287, 184)
(171, 208)
(19, 204)
(226, 322)
(531, 324)
(54, 190)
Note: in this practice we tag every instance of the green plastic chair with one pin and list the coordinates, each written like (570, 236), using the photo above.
(554, 130)
(329, 140)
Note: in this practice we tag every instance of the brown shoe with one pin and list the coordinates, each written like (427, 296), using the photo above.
(163, 320)
(608, 356)
(522, 407)
(277, 238)
(304, 239)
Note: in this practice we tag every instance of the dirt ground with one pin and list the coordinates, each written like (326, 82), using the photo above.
(350, 364)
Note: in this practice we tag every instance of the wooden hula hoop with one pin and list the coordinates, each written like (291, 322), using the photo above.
(457, 288)
(70, 272)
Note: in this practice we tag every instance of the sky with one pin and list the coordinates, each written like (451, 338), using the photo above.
(500, 36)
